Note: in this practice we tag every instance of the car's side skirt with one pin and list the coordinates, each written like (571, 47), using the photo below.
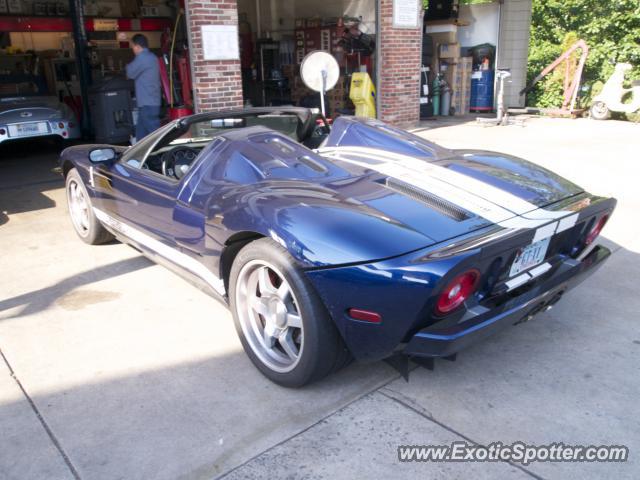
(162, 253)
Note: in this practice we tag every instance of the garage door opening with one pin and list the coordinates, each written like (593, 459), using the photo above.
(275, 36)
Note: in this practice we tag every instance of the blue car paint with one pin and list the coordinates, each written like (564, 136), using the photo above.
(514, 175)
(362, 244)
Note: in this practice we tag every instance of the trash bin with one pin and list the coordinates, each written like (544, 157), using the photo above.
(481, 91)
(111, 110)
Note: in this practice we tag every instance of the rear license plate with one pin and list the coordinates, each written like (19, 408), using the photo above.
(26, 129)
(529, 256)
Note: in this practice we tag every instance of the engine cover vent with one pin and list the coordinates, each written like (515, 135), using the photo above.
(441, 205)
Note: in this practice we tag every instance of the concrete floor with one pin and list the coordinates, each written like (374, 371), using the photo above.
(116, 368)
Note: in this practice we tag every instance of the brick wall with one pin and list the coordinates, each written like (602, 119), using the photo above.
(217, 84)
(400, 58)
(513, 50)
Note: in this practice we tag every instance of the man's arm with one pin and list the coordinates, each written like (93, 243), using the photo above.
(134, 68)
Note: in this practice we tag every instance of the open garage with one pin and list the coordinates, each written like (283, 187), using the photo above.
(73, 57)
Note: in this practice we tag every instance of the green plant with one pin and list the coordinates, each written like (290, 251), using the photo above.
(611, 29)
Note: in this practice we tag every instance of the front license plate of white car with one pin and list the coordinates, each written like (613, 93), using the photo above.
(26, 129)
(529, 256)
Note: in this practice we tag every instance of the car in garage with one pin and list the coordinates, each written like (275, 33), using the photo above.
(358, 240)
(36, 116)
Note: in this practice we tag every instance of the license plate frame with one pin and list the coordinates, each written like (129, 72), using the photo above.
(28, 129)
(529, 257)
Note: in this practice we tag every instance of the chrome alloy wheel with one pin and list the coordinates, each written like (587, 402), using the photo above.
(78, 207)
(268, 315)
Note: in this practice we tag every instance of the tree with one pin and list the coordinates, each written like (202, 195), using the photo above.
(610, 28)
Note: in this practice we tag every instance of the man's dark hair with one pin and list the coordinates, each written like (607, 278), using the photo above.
(140, 40)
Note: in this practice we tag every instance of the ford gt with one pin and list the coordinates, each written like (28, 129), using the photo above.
(357, 240)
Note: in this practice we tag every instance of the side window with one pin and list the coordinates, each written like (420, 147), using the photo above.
(134, 157)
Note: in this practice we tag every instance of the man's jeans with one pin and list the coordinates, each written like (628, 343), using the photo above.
(148, 121)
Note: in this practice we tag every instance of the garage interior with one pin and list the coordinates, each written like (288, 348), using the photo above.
(44, 45)
(275, 37)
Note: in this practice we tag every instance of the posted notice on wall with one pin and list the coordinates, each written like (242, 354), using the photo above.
(405, 14)
(220, 42)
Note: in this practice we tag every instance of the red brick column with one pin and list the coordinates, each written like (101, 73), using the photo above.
(217, 84)
(400, 57)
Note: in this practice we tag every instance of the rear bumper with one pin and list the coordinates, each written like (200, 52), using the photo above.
(480, 322)
(64, 133)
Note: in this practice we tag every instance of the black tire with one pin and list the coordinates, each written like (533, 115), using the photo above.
(91, 231)
(323, 350)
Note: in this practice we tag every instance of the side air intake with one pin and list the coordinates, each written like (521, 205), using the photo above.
(443, 206)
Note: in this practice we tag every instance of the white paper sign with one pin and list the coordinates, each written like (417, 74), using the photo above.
(405, 14)
(220, 42)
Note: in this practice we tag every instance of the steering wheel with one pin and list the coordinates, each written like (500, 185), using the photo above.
(176, 162)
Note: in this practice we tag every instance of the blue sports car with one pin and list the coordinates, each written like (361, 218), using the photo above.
(358, 240)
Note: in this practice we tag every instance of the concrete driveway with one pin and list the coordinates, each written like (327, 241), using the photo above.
(113, 367)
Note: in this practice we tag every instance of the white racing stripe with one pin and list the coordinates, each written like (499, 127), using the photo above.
(489, 202)
(408, 173)
(544, 232)
(525, 277)
(479, 188)
(181, 259)
(517, 281)
(567, 222)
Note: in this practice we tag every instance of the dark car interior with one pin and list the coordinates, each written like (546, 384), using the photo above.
(177, 150)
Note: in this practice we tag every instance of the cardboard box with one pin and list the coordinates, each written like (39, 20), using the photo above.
(449, 50)
(458, 77)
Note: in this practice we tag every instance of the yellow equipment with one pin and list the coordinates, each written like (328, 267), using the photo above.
(363, 95)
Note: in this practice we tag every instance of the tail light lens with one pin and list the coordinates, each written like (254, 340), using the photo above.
(457, 291)
(71, 124)
(60, 125)
(365, 315)
(595, 231)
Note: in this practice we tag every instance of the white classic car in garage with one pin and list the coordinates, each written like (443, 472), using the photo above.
(36, 116)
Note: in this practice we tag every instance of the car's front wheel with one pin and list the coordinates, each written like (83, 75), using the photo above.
(282, 324)
(83, 218)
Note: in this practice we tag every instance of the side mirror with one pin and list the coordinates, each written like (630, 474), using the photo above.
(102, 155)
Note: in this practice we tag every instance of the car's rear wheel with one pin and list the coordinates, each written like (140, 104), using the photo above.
(282, 324)
(84, 220)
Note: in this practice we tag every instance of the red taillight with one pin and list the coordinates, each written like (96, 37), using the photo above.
(595, 231)
(71, 124)
(457, 291)
(2, 131)
(364, 315)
